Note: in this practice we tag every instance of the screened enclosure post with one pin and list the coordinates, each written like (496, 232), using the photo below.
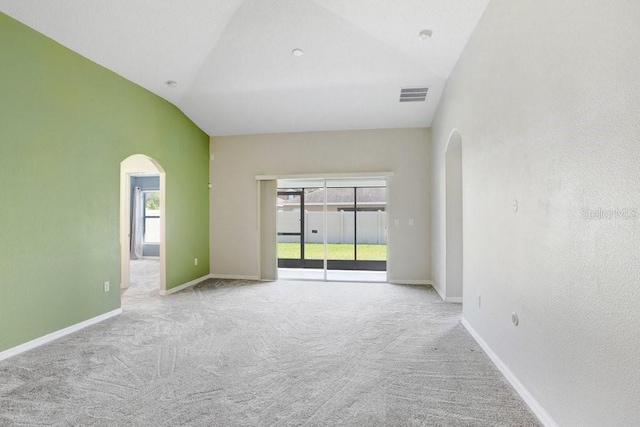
(268, 230)
(326, 231)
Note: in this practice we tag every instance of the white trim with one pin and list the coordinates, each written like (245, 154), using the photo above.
(411, 282)
(439, 291)
(57, 334)
(232, 277)
(259, 226)
(457, 300)
(534, 405)
(326, 176)
(184, 286)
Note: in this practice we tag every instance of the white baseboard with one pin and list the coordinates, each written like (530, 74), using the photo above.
(184, 286)
(57, 334)
(203, 278)
(232, 277)
(456, 300)
(439, 291)
(528, 398)
(411, 282)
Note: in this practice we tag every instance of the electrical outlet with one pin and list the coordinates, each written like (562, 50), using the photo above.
(479, 301)
(195, 261)
(106, 286)
(411, 221)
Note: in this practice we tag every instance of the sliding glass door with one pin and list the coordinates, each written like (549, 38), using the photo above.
(336, 228)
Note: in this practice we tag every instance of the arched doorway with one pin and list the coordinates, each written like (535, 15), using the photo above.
(140, 166)
(454, 212)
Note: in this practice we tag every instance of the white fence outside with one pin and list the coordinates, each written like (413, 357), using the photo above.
(372, 227)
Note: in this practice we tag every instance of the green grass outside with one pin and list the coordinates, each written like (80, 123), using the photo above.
(334, 251)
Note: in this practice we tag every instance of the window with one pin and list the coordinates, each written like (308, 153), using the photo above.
(151, 217)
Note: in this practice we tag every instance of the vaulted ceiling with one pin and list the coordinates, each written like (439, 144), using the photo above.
(233, 63)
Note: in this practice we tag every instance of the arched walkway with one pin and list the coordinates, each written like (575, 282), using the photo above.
(139, 165)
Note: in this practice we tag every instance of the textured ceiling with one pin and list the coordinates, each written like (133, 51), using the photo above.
(233, 63)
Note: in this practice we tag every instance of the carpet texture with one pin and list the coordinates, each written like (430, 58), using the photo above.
(232, 353)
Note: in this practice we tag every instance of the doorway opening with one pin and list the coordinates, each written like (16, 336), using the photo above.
(142, 224)
(144, 232)
(333, 230)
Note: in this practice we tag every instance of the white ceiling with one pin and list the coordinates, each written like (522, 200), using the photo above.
(233, 63)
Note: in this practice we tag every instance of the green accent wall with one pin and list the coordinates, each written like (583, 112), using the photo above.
(66, 123)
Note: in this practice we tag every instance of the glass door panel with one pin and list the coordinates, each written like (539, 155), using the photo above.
(354, 220)
(314, 228)
(290, 229)
(289, 247)
(301, 229)
(371, 226)
(340, 228)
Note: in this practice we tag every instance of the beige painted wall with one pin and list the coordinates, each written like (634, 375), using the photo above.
(239, 159)
(546, 97)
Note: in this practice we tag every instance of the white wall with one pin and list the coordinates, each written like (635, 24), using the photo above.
(454, 225)
(547, 98)
(239, 159)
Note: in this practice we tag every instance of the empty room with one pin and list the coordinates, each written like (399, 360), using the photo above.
(320, 213)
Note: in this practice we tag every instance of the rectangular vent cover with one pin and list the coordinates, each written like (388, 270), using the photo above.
(413, 94)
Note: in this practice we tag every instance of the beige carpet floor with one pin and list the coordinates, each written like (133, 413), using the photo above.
(233, 353)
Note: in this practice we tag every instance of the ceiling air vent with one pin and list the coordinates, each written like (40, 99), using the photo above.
(413, 94)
